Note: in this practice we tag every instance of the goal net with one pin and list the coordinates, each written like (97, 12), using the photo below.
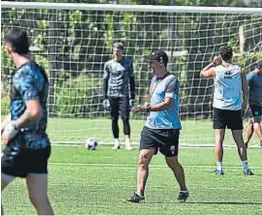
(73, 41)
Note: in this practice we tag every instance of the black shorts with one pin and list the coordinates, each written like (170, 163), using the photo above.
(19, 162)
(166, 140)
(119, 104)
(230, 119)
(256, 110)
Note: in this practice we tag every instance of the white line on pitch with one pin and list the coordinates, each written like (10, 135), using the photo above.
(183, 146)
(122, 166)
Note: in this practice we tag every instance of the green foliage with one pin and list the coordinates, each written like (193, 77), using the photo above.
(7, 66)
(77, 97)
(109, 21)
(5, 104)
(43, 61)
(72, 41)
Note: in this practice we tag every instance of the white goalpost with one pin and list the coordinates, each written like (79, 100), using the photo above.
(73, 41)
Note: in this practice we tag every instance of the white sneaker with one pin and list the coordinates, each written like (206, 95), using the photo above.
(128, 142)
(117, 144)
(129, 147)
(116, 147)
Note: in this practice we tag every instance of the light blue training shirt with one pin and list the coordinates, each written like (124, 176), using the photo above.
(159, 90)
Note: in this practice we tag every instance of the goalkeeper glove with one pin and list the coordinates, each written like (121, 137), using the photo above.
(106, 104)
(131, 103)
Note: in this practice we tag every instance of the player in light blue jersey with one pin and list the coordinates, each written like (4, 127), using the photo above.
(254, 80)
(24, 130)
(230, 91)
(119, 92)
(161, 131)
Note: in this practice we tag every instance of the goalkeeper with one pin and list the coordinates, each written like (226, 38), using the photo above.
(119, 92)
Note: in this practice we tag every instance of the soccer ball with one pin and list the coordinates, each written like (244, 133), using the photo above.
(91, 144)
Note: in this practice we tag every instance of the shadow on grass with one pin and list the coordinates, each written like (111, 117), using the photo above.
(224, 203)
(207, 202)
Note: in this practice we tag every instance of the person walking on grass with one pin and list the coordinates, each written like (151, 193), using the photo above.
(162, 128)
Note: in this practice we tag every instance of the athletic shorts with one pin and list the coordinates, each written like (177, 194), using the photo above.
(256, 110)
(230, 119)
(19, 162)
(166, 140)
(119, 104)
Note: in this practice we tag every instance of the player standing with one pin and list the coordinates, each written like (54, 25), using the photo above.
(254, 80)
(119, 92)
(230, 87)
(27, 145)
(162, 127)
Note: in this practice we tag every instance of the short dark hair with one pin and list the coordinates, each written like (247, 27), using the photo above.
(119, 45)
(159, 55)
(18, 39)
(259, 63)
(226, 53)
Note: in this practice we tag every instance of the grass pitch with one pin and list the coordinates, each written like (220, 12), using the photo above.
(94, 182)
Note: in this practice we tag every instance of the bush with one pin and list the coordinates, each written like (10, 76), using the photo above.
(5, 105)
(78, 97)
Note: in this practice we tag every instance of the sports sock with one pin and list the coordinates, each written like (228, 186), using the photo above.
(219, 166)
(245, 165)
(128, 142)
(117, 142)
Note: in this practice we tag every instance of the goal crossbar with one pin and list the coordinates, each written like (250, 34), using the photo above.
(136, 8)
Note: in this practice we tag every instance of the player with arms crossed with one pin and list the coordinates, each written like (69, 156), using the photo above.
(254, 80)
(162, 128)
(23, 130)
(119, 92)
(230, 87)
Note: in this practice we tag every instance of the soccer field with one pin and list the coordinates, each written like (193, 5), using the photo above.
(75, 131)
(95, 182)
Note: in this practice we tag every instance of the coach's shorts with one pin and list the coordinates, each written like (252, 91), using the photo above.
(166, 140)
(19, 162)
(230, 119)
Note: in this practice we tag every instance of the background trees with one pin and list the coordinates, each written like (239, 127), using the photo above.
(74, 44)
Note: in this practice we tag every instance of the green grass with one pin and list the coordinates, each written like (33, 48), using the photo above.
(94, 182)
(77, 130)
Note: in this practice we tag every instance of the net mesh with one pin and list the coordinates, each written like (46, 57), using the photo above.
(73, 46)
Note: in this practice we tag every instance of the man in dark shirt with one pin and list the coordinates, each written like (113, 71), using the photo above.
(119, 92)
(254, 80)
(23, 130)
